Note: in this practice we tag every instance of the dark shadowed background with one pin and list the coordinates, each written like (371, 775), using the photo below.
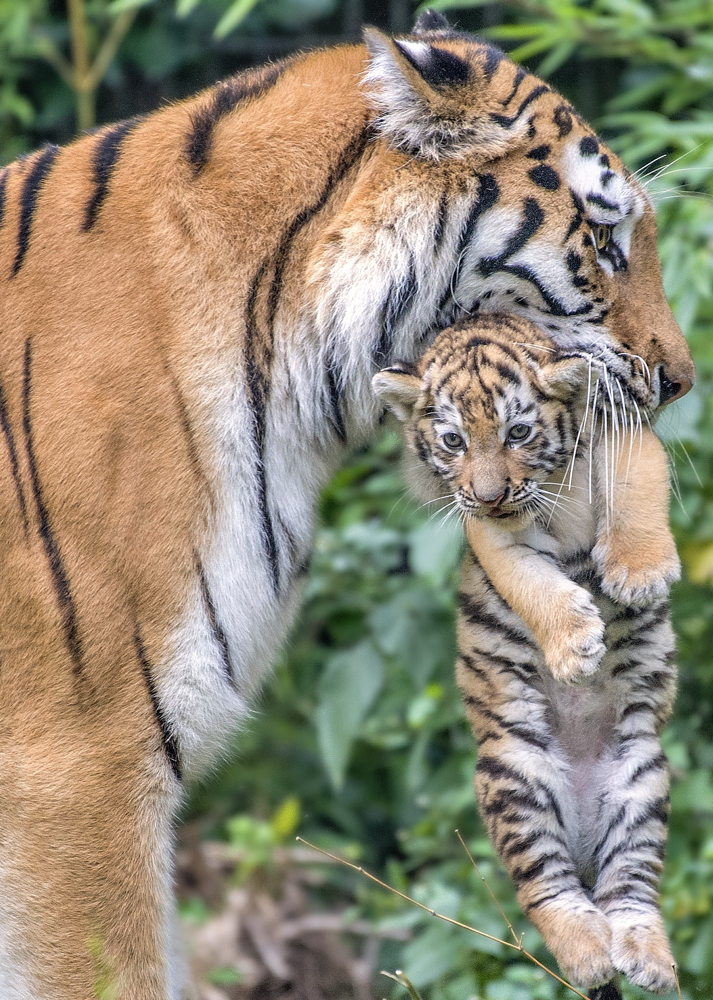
(360, 744)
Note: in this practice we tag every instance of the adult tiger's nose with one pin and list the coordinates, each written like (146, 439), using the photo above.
(489, 501)
(673, 388)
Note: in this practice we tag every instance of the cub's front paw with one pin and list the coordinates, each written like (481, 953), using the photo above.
(644, 576)
(575, 651)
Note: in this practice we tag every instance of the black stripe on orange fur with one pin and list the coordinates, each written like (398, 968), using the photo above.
(347, 160)
(259, 350)
(54, 557)
(168, 737)
(488, 194)
(3, 190)
(106, 153)
(507, 121)
(215, 626)
(226, 98)
(335, 416)
(12, 451)
(258, 359)
(519, 77)
(28, 202)
(396, 304)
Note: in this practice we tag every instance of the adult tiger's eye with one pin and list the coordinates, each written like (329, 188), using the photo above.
(518, 432)
(602, 235)
(453, 441)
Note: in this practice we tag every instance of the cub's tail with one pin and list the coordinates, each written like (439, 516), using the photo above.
(610, 991)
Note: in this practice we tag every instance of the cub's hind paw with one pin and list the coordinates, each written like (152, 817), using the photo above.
(574, 654)
(580, 941)
(636, 585)
(640, 950)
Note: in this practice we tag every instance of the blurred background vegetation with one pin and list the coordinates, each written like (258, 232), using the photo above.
(360, 743)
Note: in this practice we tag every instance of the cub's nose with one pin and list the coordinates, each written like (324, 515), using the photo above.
(673, 388)
(489, 501)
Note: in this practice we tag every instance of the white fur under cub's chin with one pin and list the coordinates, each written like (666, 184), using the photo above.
(407, 121)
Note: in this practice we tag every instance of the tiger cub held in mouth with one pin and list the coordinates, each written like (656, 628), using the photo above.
(570, 558)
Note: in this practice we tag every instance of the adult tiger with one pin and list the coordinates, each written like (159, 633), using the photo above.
(193, 306)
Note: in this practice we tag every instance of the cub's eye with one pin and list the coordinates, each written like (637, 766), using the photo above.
(518, 432)
(602, 234)
(453, 441)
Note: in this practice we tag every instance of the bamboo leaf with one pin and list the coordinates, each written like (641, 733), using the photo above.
(234, 15)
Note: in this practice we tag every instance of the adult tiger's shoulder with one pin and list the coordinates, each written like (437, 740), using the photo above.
(193, 305)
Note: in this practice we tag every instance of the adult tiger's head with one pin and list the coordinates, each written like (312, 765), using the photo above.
(498, 196)
(491, 411)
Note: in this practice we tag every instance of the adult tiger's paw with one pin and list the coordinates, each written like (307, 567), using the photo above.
(637, 578)
(575, 650)
(640, 950)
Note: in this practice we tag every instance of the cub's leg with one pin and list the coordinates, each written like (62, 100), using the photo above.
(85, 850)
(634, 803)
(561, 615)
(522, 780)
(635, 551)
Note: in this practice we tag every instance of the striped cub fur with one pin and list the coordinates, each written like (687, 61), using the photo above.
(193, 306)
(565, 582)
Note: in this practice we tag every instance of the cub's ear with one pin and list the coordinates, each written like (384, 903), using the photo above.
(564, 377)
(398, 388)
(435, 102)
(432, 22)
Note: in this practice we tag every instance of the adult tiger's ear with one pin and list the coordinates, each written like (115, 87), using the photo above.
(564, 377)
(434, 96)
(432, 22)
(398, 388)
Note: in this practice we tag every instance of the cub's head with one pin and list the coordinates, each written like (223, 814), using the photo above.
(488, 192)
(491, 411)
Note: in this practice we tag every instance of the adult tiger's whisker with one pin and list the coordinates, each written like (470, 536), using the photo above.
(666, 168)
(449, 920)
(645, 367)
(562, 499)
(583, 422)
(591, 435)
(690, 460)
(639, 174)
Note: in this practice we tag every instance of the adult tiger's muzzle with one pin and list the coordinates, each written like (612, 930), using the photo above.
(642, 322)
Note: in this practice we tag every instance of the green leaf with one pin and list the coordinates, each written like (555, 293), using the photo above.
(185, 7)
(436, 548)
(347, 688)
(119, 6)
(233, 16)
(286, 819)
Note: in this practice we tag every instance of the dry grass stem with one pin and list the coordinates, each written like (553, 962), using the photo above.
(449, 920)
(518, 940)
(678, 985)
(403, 980)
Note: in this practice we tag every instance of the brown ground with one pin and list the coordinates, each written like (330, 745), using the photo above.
(268, 930)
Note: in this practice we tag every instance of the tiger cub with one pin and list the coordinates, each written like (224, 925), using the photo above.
(566, 580)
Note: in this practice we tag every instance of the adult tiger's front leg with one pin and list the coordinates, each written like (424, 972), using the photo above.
(85, 897)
